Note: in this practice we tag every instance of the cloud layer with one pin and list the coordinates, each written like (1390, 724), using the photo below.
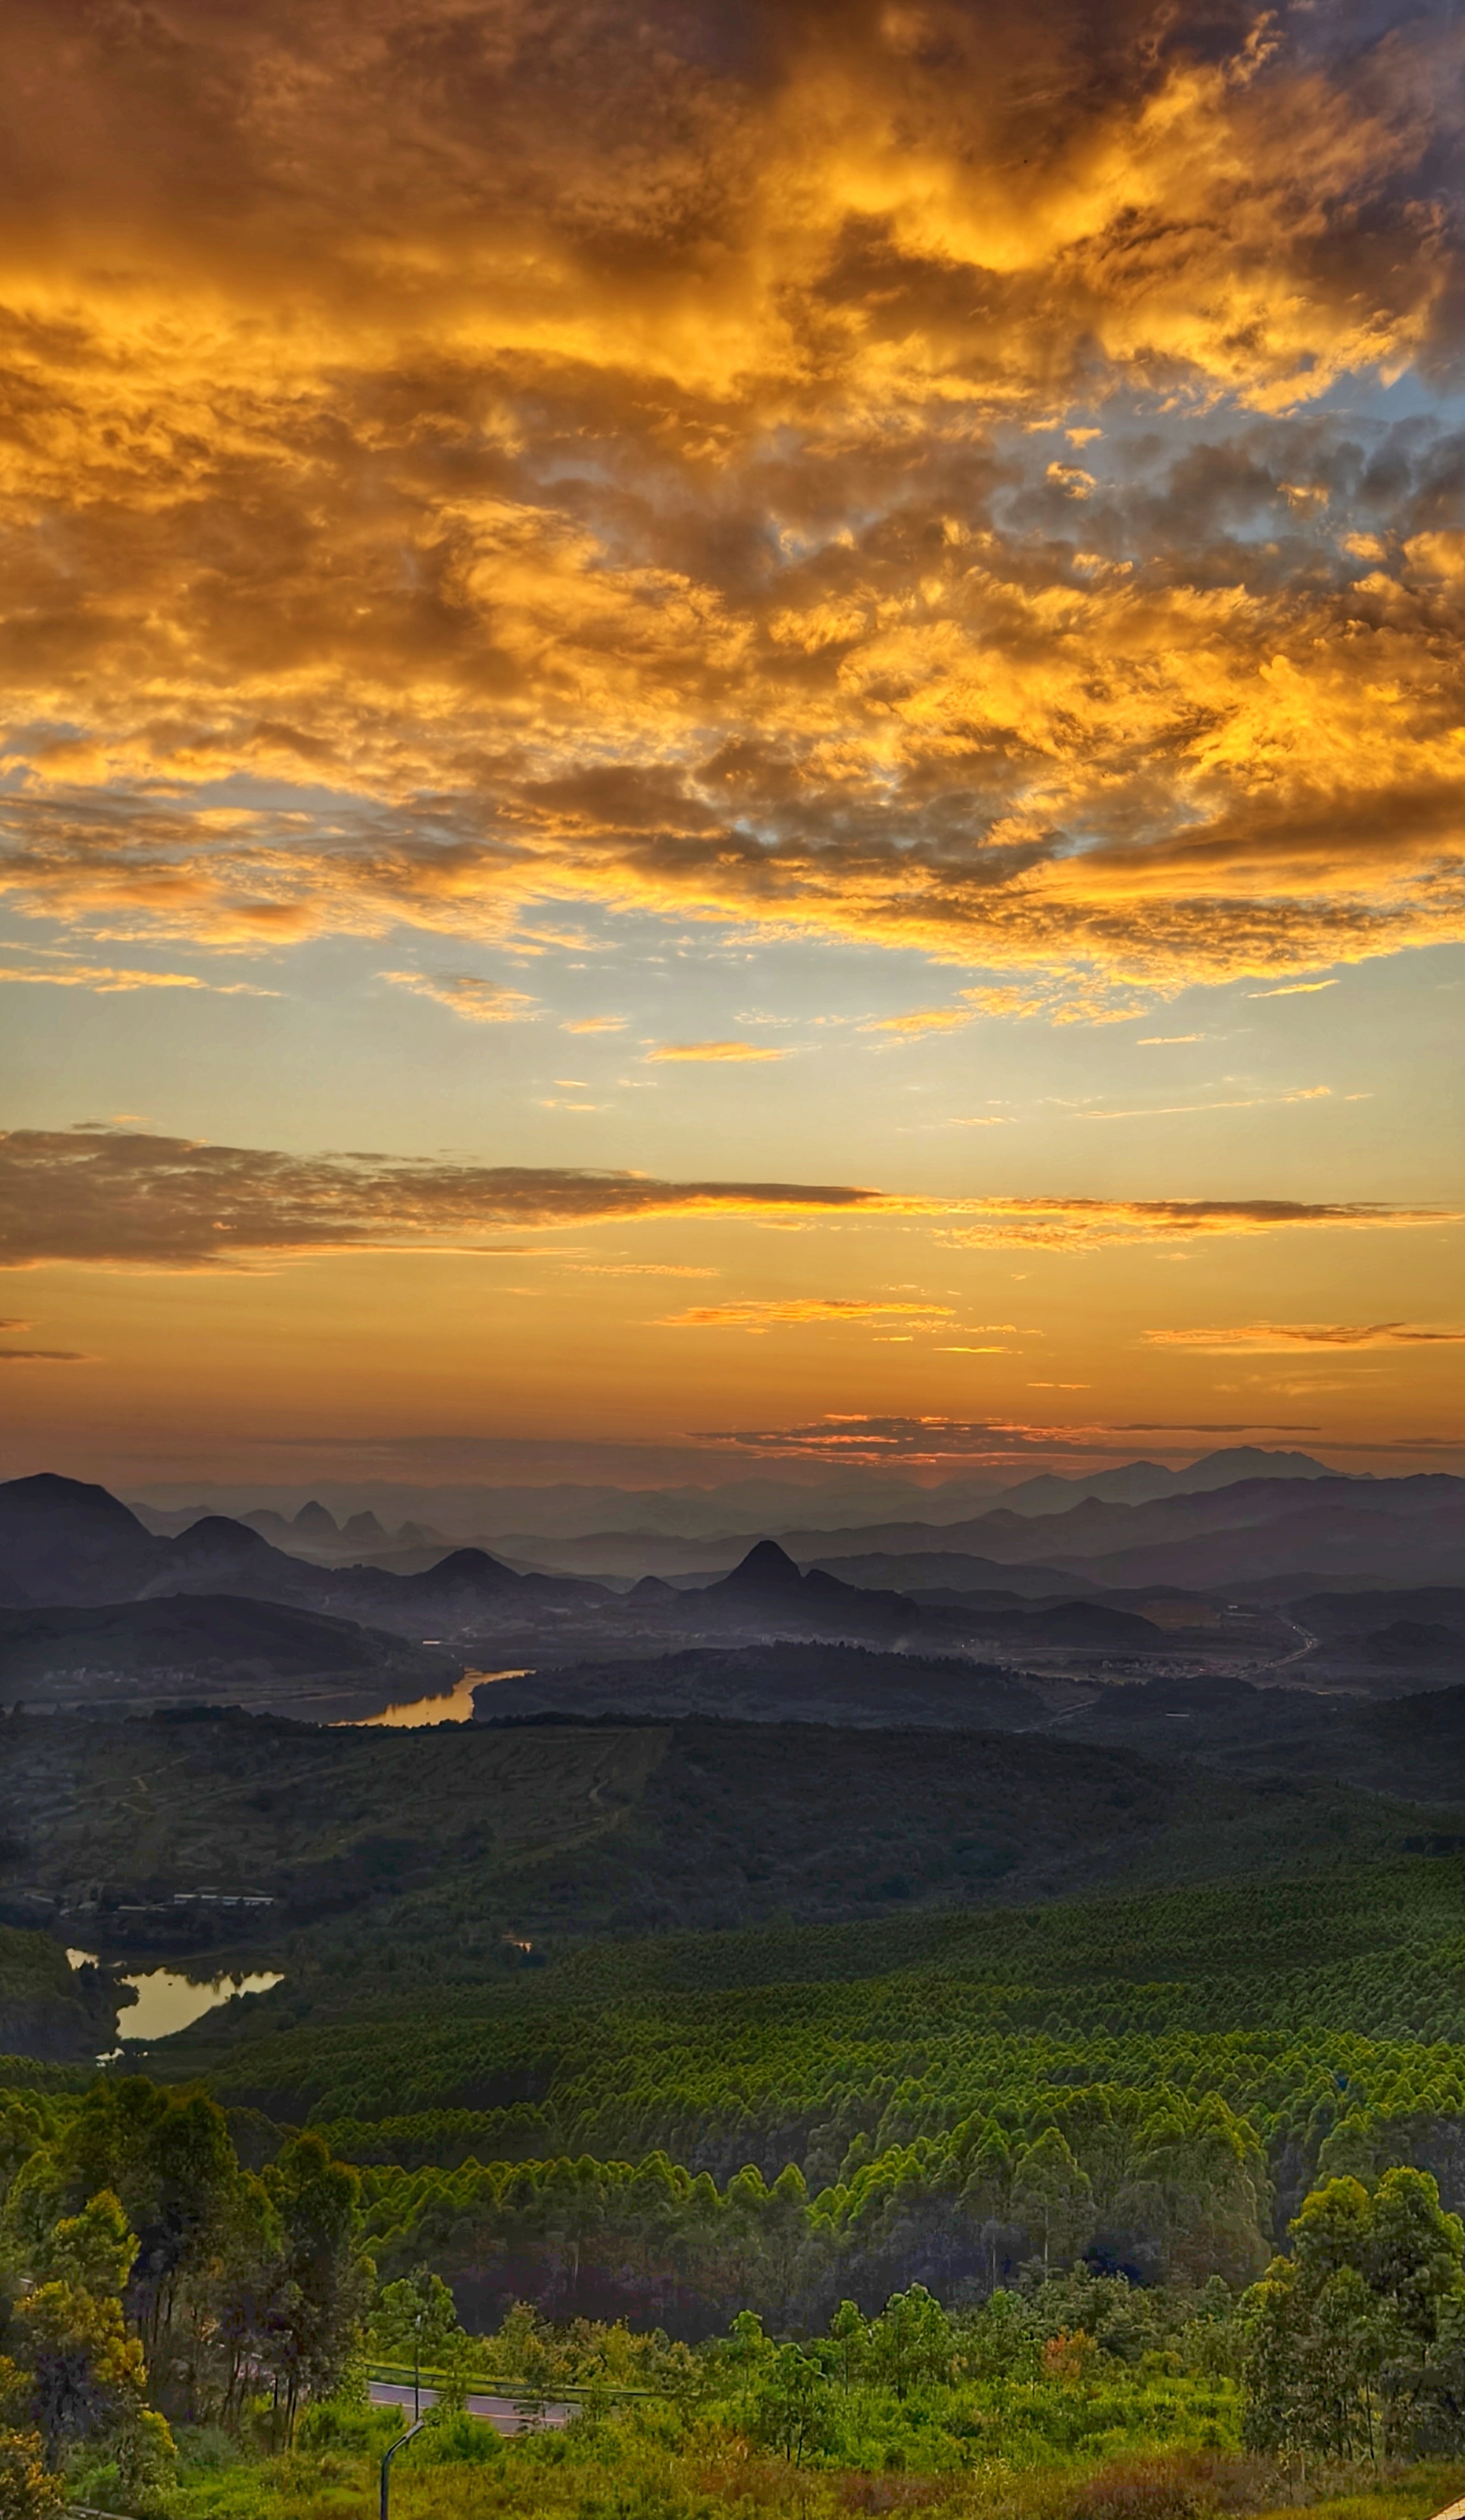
(110, 980)
(481, 1001)
(1076, 1224)
(776, 463)
(1265, 1339)
(713, 1052)
(118, 1198)
(797, 1311)
(121, 1198)
(864, 1442)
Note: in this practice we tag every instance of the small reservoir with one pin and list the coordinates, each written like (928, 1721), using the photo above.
(168, 2001)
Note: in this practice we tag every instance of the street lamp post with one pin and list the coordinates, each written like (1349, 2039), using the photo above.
(399, 2444)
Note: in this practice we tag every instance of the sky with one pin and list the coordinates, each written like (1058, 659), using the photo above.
(733, 736)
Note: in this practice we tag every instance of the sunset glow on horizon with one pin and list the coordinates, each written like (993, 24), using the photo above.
(734, 739)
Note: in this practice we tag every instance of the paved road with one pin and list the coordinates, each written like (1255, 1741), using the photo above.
(1308, 1645)
(505, 2414)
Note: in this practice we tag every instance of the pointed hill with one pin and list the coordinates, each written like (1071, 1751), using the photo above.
(766, 1589)
(64, 1540)
(67, 1545)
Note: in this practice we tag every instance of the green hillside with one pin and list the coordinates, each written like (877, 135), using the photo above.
(1202, 2053)
(49, 2010)
(474, 1833)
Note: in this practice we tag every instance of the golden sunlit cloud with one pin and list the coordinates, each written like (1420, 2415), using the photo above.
(924, 1019)
(118, 1198)
(42, 1355)
(1294, 989)
(481, 1001)
(638, 1269)
(1074, 1224)
(123, 1198)
(1071, 996)
(109, 983)
(998, 1443)
(578, 468)
(596, 1023)
(1242, 1102)
(1263, 1339)
(798, 1309)
(716, 1052)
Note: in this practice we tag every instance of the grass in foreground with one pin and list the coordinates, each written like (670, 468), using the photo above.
(653, 2464)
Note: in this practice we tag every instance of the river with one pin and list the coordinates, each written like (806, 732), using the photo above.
(454, 1707)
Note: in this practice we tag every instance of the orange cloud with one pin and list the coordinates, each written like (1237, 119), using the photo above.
(799, 1309)
(1263, 1339)
(638, 1269)
(716, 1052)
(1241, 1103)
(928, 1442)
(1074, 1224)
(583, 469)
(1294, 989)
(924, 1019)
(479, 1001)
(108, 981)
(118, 1197)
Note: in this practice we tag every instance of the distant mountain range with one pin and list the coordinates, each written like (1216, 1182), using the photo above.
(945, 1514)
(1028, 1580)
(1404, 1531)
(523, 1521)
(66, 1545)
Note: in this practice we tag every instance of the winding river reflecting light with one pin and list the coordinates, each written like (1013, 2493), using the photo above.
(455, 1707)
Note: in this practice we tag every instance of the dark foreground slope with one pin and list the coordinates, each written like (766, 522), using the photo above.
(565, 1829)
(205, 1644)
(787, 1682)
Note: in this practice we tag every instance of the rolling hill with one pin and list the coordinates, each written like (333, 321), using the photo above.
(201, 1644)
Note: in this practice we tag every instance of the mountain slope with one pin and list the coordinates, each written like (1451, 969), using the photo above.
(782, 1683)
(481, 1830)
(66, 1545)
(203, 1644)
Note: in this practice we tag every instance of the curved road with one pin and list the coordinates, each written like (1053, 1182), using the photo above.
(505, 2414)
(1300, 1652)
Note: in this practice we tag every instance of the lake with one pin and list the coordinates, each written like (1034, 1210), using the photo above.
(167, 2000)
(455, 1706)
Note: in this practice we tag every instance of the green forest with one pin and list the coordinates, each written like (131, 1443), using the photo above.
(1145, 2201)
(185, 2335)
